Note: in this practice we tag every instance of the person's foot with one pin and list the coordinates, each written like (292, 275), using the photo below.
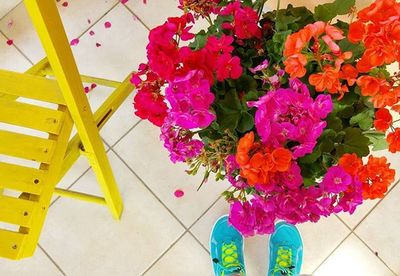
(226, 245)
(285, 251)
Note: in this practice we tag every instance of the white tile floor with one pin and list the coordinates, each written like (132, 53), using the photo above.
(160, 234)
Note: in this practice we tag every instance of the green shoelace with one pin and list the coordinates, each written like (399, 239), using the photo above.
(230, 260)
(283, 263)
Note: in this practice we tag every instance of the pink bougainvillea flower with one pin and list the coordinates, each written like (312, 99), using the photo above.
(74, 42)
(107, 24)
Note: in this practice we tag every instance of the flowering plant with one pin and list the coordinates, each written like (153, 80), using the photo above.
(283, 104)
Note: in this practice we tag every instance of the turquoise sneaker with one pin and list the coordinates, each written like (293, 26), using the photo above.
(226, 245)
(285, 251)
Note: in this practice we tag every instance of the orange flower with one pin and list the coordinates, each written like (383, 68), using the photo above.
(351, 163)
(375, 177)
(385, 97)
(281, 158)
(296, 42)
(356, 32)
(326, 80)
(393, 140)
(383, 119)
(294, 65)
(349, 73)
(369, 85)
(257, 163)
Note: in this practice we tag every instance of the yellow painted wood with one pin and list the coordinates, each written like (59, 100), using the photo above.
(101, 116)
(16, 210)
(26, 146)
(21, 178)
(80, 196)
(31, 87)
(49, 27)
(30, 116)
(11, 243)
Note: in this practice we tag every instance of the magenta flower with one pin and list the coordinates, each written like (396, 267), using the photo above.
(263, 65)
(290, 114)
(232, 172)
(179, 142)
(336, 180)
(190, 99)
(242, 217)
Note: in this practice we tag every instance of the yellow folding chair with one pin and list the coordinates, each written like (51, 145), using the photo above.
(26, 188)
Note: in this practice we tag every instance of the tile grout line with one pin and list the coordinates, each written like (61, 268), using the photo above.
(126, 133)
(329, 255)
(17, 48)
(374, 252)
(137, 17)
(352, 230)
(7, 13)
(52, 260)
(165, 252)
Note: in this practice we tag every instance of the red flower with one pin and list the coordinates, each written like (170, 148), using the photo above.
(393, 140)
(351, 163)
(349, 73)
(228, 67)
(383, 119)
(151, 106)
(370, 86)
(326, 80)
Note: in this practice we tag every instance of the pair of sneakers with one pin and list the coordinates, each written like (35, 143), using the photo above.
(285, 250)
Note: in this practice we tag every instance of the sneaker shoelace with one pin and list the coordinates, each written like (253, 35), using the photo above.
(284, 262)
(230, 260)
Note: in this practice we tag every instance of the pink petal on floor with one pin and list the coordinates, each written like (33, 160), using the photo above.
(98, 44)
(124, 1)
(89, 21)
(65, 4)
(91, 33)
(135, 17)
(87, 89)
(93, 86)
(179, 193)
(10, 42)
(107, 25)
(74, 42)
(10, 24)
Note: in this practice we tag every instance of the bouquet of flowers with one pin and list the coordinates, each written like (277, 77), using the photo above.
(284, 104)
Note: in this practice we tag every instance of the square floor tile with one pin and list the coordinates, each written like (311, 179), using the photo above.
(84, 239)
(38, 265)
(319, 239)
(380, 229)
(145, 154)
(154, 13)
(186, 257)
(7, 6)
(123, 46)
(75, 19)
(11, 59)
(353, 258)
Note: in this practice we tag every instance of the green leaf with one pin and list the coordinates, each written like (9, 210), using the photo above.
(246, 122)
(354, 142)
(334, 123)
(328, 11)
(377, 139)
(199, 41)
(229, 110)
(363, 119)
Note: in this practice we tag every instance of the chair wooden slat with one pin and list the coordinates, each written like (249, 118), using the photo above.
(30, 86)
(16, 211)
(26, 146)
(30, 116)
(21, 178)
(10, 243)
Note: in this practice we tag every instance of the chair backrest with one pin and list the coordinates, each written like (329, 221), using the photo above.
(35, 127)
